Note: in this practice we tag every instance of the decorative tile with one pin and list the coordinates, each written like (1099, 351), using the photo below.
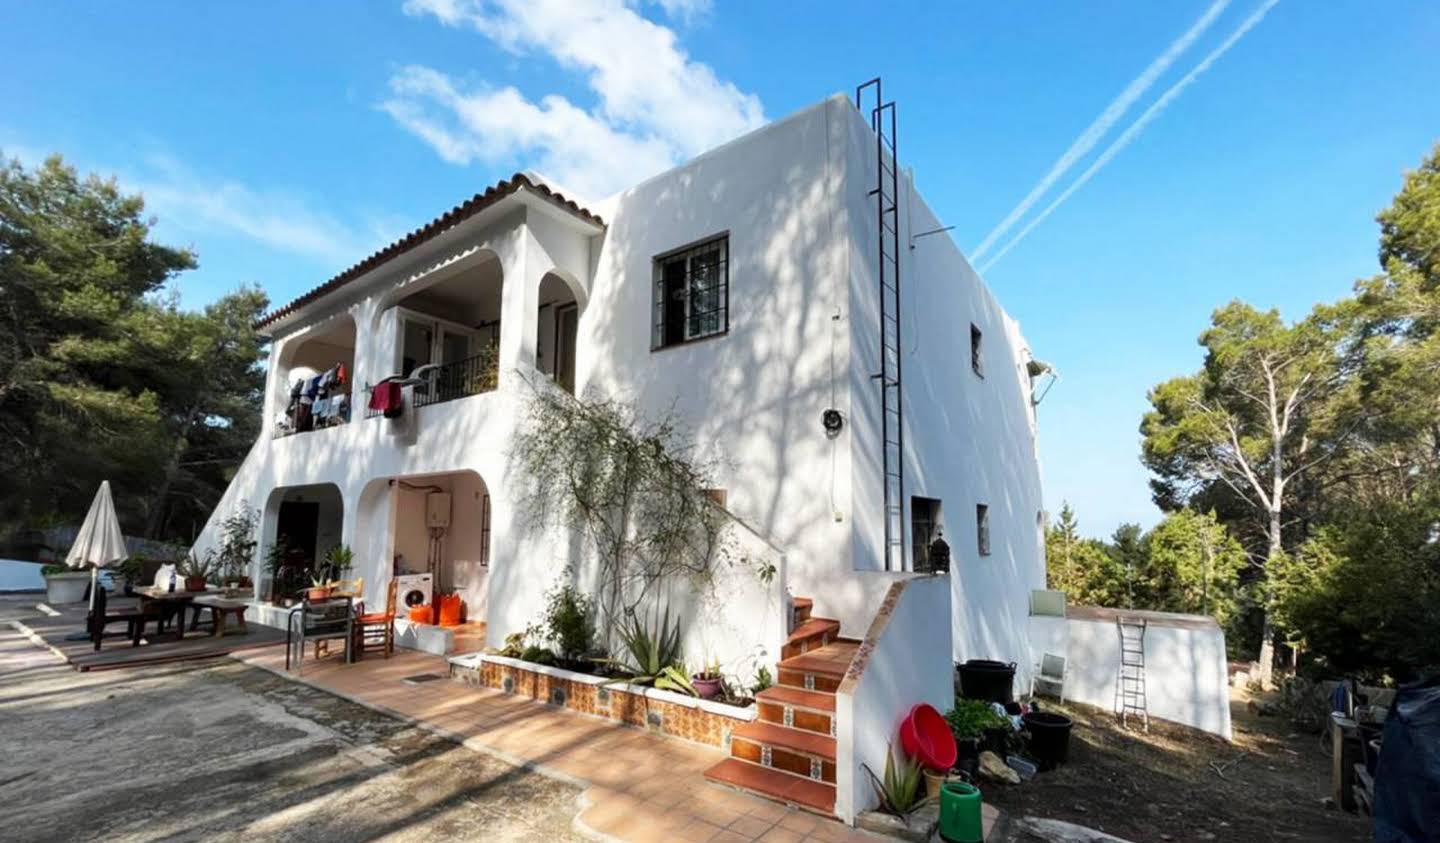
(557, 696)
(815, 768)
(766, 759)
(789, 717)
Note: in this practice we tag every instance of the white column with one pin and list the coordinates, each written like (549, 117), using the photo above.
(523, 264)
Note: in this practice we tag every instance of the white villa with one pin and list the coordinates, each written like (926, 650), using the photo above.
(753, 290)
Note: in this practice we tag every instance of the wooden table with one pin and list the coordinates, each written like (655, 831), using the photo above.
(171, 604)
(220, 608)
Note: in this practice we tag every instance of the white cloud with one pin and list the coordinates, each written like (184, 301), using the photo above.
(181, 198)
(1134, 129)
(1103, 123)
(654, 104)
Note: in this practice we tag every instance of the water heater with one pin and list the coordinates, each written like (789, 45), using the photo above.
(437, 509)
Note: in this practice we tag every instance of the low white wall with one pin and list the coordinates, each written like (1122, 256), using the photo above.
(904, 660)
(1185, 674)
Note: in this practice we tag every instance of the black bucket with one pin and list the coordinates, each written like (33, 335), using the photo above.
(1049, 737)
(991, 681)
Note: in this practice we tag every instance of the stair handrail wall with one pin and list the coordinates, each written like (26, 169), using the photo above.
(904, 659)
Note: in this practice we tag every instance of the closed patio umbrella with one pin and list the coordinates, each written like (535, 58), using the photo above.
(99, 543)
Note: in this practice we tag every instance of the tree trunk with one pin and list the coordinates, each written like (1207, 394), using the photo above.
(156, 519)
(1267, 634)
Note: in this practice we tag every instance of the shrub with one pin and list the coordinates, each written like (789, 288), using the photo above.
(970, 718)
(569, 622)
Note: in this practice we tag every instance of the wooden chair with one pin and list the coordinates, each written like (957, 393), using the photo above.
(100, 617)
(376, 630)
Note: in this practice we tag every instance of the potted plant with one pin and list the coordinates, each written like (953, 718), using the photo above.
(197, 570)
(969, 722)
(339, 561)
(65, 585)
(319, 588)
(274, 565)
(708, 683)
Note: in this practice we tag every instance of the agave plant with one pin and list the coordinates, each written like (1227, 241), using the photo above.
(654, 654)
(901, 791)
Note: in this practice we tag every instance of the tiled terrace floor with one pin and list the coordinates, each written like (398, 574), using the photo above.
(641, 788)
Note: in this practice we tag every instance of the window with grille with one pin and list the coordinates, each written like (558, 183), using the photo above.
(982, 528)
(692, 293)
(976, 362)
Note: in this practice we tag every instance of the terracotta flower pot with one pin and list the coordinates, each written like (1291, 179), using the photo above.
(194, 583)
(316, 595)
(708, 689)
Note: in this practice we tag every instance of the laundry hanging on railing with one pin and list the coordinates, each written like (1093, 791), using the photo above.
(387, 398)
(319, 401)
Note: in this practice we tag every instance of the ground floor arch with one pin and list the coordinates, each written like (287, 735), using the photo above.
(301, 525)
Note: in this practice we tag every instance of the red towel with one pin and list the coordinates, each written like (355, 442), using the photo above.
(386, 398)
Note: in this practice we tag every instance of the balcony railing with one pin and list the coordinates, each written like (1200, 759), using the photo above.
(449, 381)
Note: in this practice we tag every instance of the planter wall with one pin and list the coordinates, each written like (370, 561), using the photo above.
(66, 588)
(661, 712)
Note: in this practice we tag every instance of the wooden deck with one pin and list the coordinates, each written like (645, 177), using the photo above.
(116, 652)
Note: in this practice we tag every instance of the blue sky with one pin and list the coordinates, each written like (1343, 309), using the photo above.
(284, 141)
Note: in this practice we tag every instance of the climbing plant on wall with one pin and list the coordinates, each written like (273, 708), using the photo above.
(637, 489)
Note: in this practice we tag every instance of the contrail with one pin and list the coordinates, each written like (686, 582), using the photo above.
(1134, 129)
(1102, 124)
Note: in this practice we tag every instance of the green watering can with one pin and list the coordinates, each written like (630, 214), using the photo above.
(960, 813)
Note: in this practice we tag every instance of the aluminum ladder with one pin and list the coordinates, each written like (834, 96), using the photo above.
(887, 221)
(1130, 684)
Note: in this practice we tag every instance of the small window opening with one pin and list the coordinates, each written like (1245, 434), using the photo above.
(976, 362)
(982, 528)
(929, 551)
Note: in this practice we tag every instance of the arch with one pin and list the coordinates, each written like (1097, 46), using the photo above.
(557, 323)
(306, 521)
(327, 347)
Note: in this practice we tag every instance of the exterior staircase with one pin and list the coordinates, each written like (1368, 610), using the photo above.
(788, 752)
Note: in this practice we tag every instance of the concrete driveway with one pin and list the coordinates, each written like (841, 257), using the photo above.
(229, 752)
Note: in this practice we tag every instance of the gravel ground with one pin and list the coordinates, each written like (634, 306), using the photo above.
(228, 752)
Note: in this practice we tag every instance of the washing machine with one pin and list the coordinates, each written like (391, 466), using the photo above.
(415, 589)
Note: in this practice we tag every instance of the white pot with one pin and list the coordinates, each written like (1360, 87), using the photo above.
(67, 587)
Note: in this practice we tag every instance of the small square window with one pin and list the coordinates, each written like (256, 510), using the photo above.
(982, 528)
(975, 341)
(692, 294)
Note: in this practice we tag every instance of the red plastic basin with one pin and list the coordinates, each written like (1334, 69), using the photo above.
(927, 738)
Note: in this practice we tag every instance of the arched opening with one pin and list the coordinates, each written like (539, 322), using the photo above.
(440, 548)
(448, 332)
(314, 378)
(556, 327)
(303, 525)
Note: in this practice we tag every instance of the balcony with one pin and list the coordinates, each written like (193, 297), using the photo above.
(438, 383)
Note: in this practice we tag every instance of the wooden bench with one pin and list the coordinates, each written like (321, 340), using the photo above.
(219, 607)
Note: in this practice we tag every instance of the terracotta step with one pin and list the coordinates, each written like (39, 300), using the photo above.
(810, 635)
(783, 787)
(800, 610)
(797, 697)
(795, 740)
(797, 708)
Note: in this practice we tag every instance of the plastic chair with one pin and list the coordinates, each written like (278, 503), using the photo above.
(1050, 671)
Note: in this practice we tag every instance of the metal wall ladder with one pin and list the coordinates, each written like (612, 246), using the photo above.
(892, 417)
(1130, 688)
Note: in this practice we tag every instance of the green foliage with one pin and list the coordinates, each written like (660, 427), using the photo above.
(238, 538)
(198, 565)
(635, 487)
(970, 718)
(569, 622)
(902, 790)
(102, 375)
(539, 655)
(763, 680)
(1317, 444)
(650, 649)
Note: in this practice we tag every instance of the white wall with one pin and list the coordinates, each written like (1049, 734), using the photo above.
(908, 663)
(791, 199)
(968, 439)
(1185, 668)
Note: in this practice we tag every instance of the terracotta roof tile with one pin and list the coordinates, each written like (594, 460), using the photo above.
(429, 231)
